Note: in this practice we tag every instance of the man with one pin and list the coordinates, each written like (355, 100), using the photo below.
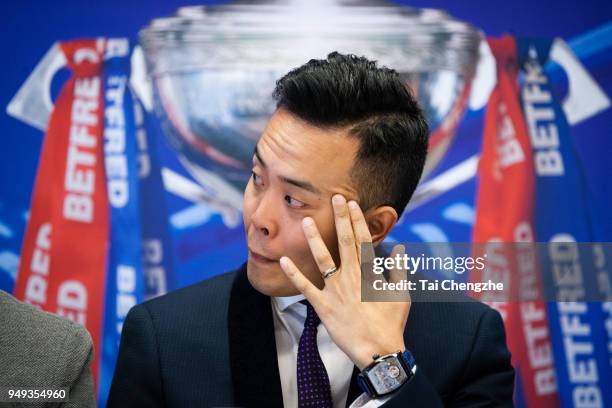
(334, 168)
(39, 350)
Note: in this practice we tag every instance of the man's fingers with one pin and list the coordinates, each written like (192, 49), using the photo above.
(300, 282)
(396, 274)
(362, 233)
(317, 246)
(360, 226)
(344, 229)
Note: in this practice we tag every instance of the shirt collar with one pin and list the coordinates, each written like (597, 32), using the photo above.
(283, 302)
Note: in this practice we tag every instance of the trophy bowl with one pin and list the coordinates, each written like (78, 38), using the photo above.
(213, 70)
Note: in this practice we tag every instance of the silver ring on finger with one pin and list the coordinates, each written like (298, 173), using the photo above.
(329, 272)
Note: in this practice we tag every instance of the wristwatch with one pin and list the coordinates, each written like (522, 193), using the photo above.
(387, 373)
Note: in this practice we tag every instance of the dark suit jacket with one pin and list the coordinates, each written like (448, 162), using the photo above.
(212, 345)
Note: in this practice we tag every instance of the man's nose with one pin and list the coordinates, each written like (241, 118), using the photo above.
(264, 218)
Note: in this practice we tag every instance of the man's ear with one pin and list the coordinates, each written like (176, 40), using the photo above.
(380, 221)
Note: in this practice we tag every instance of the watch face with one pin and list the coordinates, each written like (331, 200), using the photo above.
(387, 376)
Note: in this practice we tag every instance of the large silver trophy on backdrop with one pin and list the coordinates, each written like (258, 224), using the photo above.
(213, 70)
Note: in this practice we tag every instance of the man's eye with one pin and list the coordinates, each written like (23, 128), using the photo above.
(293, 202)
(257, 179)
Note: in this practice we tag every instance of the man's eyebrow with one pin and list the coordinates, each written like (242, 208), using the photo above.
(256, 153)
(306, 185)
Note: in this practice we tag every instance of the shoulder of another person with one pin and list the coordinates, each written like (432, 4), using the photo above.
(55, 347)
(42, 325)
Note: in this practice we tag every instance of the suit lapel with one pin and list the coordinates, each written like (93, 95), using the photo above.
(253, 358)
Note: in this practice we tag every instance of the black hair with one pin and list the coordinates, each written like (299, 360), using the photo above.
(374, 105)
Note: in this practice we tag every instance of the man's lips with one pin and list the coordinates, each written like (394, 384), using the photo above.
(258, 257)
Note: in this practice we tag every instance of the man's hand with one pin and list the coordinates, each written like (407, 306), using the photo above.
(360, 329)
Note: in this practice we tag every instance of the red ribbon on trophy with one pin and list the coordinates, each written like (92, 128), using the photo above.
(63, 258)
(504, 222)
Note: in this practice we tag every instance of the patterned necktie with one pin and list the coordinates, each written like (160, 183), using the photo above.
(314, 389)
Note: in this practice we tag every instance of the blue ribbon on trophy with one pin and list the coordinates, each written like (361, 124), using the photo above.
(124, 278)
(564, 220)
(157, 247)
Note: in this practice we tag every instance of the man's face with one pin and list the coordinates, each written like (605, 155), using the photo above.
(297, 169)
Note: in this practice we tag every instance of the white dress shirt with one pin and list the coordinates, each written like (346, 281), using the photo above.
(289, 317)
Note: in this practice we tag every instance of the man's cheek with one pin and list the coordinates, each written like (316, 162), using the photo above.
(247, 205)
(297, 245)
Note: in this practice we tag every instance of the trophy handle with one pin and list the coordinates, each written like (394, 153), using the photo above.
(32, 103)
(584, 97)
